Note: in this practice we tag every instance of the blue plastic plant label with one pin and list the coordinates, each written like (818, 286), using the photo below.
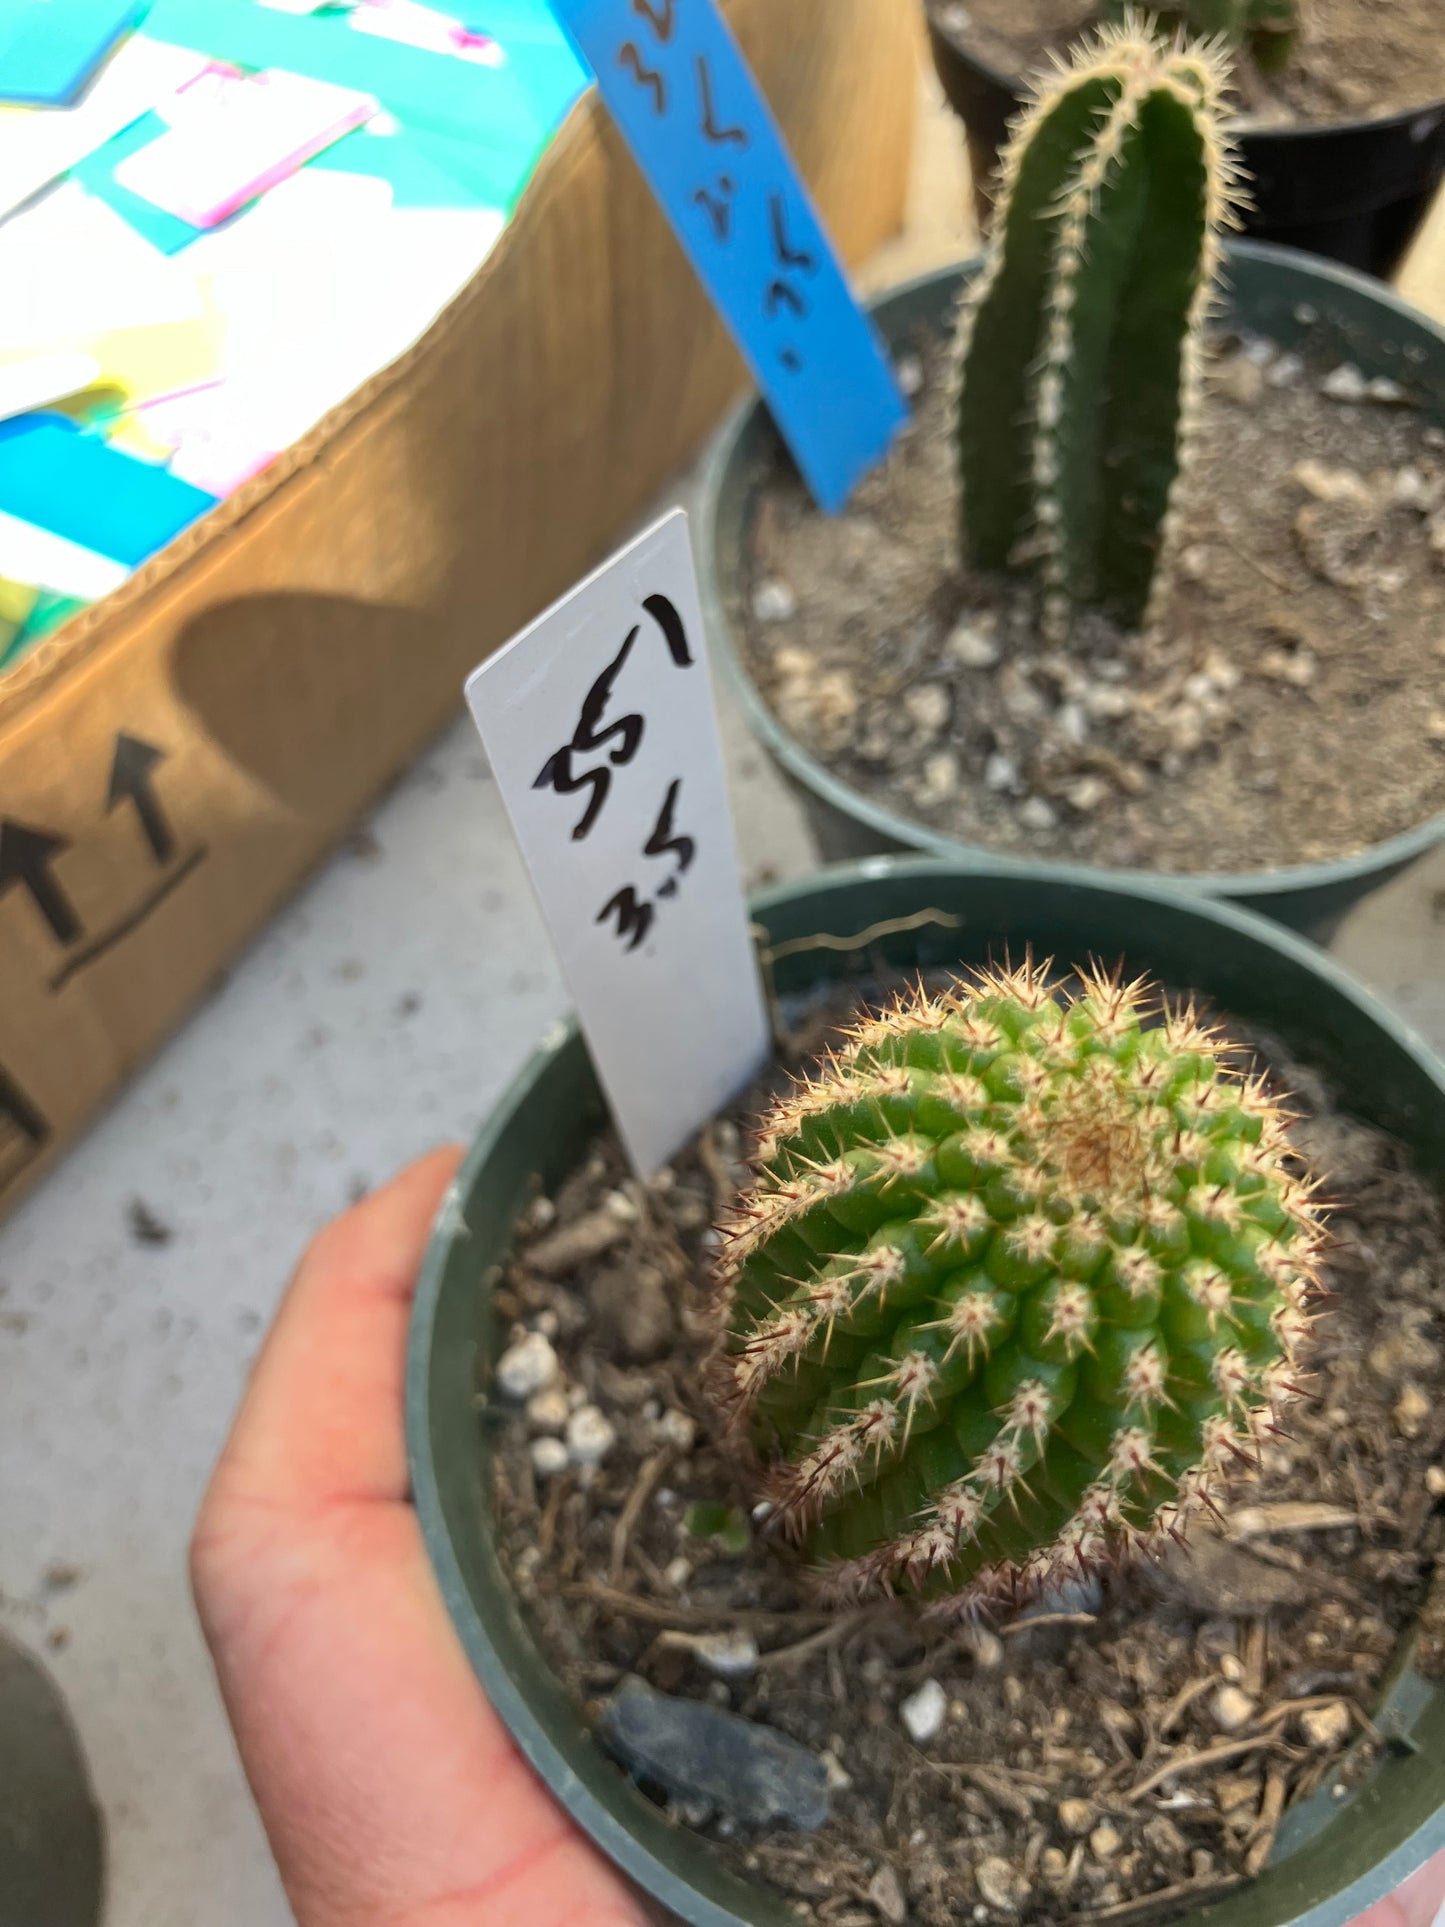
(684, 99)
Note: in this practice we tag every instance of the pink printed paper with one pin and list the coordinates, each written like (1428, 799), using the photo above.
(233, 137)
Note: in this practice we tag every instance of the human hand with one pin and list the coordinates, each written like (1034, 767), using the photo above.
(390, 1792)
(1418, 1903)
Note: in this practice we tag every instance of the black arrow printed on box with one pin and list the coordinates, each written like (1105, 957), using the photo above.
(130, 781)
(26, 858)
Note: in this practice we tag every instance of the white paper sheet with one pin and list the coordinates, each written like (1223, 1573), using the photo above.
(37, 145)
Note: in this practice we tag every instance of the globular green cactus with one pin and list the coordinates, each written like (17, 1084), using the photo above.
(1023, 1272)
(1079, 353)
(1265, 29)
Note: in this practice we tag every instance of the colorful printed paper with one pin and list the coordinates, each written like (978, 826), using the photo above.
(37, 146)
(50, 48)
(255, 132)
(460, 97)
(57, 477)
(97, 175)
(222, 236)
(410, 24)
(406, 164)
(34, 555)
(35, 381)
(70, 267)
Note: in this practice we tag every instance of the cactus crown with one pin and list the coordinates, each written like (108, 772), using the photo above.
(1021, 1274)
(1087, 320)
(1265, 29)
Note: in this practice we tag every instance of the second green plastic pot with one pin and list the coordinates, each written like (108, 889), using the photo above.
(1270, 291)
(1333, 1858)
(1354, 191)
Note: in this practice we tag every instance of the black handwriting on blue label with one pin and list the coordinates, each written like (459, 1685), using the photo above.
(684, 99)
(630, 58)
(660, 16)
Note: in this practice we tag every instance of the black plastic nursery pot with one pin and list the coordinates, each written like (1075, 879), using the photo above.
(1275, 292)
(1353, 191)
(52, 1835)
(1333, 1858)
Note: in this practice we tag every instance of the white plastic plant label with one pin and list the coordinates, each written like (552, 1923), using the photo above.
(602, 733)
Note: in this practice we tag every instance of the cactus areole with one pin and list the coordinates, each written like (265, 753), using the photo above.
(1024, 1271)
(1266, 29)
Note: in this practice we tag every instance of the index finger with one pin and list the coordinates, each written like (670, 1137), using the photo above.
(1417, 1903)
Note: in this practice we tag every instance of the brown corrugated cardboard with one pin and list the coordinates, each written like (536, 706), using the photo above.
(175, 759)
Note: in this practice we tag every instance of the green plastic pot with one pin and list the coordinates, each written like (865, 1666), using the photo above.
(1332, 1859)
(1271, 291)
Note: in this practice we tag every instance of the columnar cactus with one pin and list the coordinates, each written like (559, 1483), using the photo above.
(1079, 353)
(1022, 1274)
(1265, 29)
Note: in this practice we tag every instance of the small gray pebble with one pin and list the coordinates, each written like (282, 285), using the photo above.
(927, 706)
(526, 1367)
(774, 602)
(924, 1712)
(1345, 383)
(1035, 813)
(590, 1436)
(1001, 772)
(695, 1752)
(974, 646)
(548, 1456)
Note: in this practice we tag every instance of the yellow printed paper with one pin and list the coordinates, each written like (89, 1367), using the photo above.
(147, 363)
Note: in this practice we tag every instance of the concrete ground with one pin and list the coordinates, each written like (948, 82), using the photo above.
(384, 1011)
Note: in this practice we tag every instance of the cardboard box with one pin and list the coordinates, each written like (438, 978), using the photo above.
(174, 760)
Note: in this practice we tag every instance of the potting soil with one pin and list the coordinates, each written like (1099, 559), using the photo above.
(1288, 707)
(1354, 59)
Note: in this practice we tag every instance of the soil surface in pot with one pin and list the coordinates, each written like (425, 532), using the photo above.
(1290, 709)
(1355, 59)
(1125, 1755)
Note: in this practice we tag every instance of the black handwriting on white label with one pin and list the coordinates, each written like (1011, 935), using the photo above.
(601, 744)
(663, 841)
(592, 733)
(635, 915)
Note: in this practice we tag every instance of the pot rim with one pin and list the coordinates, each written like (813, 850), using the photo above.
(1392, 854)
(1018, 84)
(606, 1828)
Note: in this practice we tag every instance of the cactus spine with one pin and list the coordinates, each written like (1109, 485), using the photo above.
(1020, 1276)
(1266, 29)
(1079, 354)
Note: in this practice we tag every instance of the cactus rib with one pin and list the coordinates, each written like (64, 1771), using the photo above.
(1079, 352)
